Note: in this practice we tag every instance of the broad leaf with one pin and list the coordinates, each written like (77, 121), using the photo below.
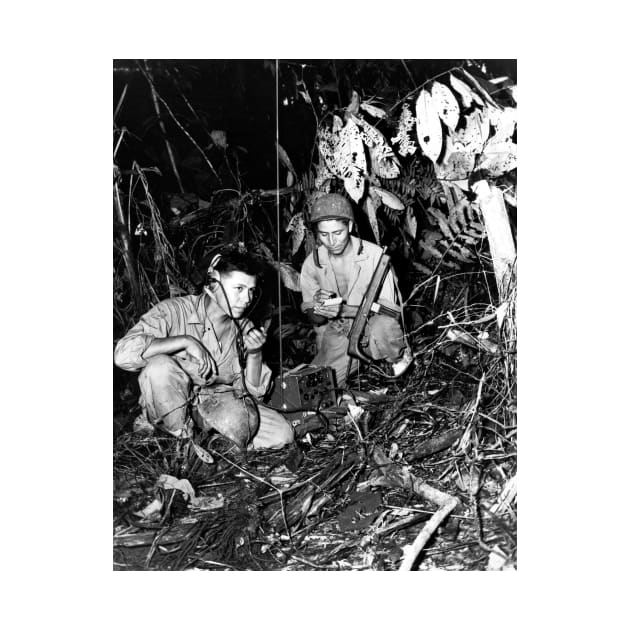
(370, 205)
(289, 276)
(411, 224)
(474, 135)
(479, 88)
(388, 198)
(463, 90)
(284, 158)
(351, 160)
(442, 222)
(457, 218)
(377, 112)
(327, 146)
(383, 160)
(296, 225)
(337, 125)
(383, 167)
(458, 167)
(498, 158)
(353, 106)
(323, 177)
(503, 121)
(428, 126)
(446, 105)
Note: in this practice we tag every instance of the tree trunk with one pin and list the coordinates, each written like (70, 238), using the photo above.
(497, 224)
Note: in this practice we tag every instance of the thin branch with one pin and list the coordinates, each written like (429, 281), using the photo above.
(170, 111)
(169, 148)
(413, 82)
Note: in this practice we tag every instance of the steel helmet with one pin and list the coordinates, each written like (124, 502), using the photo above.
(331, 206)
(233, 417)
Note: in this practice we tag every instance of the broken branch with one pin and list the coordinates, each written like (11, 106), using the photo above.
(447, 504)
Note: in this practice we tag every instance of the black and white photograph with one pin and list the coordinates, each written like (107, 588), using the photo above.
(314, 315)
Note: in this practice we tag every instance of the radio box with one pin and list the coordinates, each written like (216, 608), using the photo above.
(304, 388)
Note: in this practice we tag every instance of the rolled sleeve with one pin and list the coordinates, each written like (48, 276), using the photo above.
(265, 379)
(129, 350)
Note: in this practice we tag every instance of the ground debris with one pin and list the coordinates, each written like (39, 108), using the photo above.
(450, 424)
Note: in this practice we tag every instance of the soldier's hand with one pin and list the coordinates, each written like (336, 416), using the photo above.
(327, 311)
(321, 295)
(254, 339)
(200, 355)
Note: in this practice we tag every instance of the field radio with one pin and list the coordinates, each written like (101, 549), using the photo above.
(298, 393)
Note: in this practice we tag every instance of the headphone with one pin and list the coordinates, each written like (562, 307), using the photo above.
(213, 283)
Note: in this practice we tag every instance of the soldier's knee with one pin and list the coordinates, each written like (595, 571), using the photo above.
(160, 369)
(381, 325)
(285, 434)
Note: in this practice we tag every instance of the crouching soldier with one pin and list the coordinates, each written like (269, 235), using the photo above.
(343, 265)
(200, 352)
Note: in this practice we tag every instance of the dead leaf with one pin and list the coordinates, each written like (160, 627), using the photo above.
(498, 561)
(355, 411)
(168, 482)
(150, 510)
(289, 276)
(207, 503)
(282, 476)
(202, 454)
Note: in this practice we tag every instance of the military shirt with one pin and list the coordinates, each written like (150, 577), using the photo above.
(187, 315)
